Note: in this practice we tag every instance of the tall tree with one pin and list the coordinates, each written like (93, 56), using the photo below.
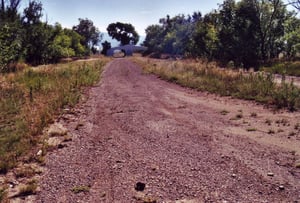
(271, 15)
(9, 9)
(295, 3)
(105, 47)
(91, 34)
(246, 26)
(227, 31)
(10, 33)
(123, 32)
(37, 34)
(292, 36)
(154, 38)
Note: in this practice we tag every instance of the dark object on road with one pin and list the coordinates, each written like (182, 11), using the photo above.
(140, 186)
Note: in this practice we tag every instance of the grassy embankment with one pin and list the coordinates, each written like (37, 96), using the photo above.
(29, 101)
(285, 68)
(208, 77)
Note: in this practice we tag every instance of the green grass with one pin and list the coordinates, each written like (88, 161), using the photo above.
(30, 99)
(208, 77)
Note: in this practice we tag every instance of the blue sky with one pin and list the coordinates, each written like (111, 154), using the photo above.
(140, 13)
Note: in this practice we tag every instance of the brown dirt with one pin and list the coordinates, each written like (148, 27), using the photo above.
(137, 128)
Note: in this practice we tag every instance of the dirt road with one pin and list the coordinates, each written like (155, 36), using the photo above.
(182, 144)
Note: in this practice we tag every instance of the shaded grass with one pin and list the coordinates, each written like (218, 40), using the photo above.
(30, 99)
(286, 68)
(208, 77)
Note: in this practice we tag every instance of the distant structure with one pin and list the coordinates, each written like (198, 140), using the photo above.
(128, 50)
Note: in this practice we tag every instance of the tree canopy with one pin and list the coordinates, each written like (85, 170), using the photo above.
(246, 32)
(123, 32)
(24, 36)
(90, 33)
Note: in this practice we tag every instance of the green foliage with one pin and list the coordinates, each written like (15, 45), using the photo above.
(66, 43)
(123, 32)
(10, 45)
(24, 37)
(90, 34)
(292, 37)
(105, 47)
(245, 32)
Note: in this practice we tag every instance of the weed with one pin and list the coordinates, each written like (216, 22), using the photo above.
(3, 194)
(251, 129)
(30, 99)
(238, 116)
(224, 112)
(268, 121)
(79, 189)
(271, 131)
(291, 134)
(254, 115)
(27, 172)
(280, 130)
(283, 122)
(29, 189)
(297, 126)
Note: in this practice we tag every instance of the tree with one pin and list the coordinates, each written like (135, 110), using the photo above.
(271, 15)
(295, 3)
(9, 10)
(205, 40)
(76, 39)
(123, 32)
(105, 47)
(10, 34)
(227, 31)
(154, 38)
(246, 35)
(90, 33)
(33, 13)
(37, 37)
(10, 46)
(292, 36)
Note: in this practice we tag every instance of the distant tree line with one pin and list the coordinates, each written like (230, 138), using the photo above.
(24, 37)
(244, 33)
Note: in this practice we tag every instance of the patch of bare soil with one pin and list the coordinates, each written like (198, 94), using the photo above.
(140, 139)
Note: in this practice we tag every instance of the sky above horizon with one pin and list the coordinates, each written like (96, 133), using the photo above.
(140, 13)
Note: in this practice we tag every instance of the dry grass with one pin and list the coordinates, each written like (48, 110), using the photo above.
(30, 99)
(79, 189)
(205, 76)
